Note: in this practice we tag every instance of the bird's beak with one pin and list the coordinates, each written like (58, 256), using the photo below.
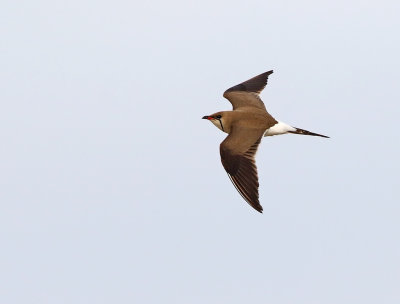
(207, 117)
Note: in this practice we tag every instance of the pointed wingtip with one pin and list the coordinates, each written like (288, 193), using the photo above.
(255, 84)
(266, 73)
(258, 208)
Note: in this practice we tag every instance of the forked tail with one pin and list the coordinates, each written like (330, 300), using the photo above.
(305, 132)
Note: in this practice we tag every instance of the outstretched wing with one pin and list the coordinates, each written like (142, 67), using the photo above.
(246, 94)
(238, 152)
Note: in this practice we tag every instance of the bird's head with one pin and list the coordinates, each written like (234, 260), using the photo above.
(217, 119)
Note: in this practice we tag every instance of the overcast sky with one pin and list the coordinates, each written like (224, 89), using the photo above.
(111, 185)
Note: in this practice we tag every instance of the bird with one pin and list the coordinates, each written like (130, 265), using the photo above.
(246, 125)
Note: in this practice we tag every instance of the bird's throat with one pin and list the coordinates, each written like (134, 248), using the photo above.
(222, 127)
(218, 124)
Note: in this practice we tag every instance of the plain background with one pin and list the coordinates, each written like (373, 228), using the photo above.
(111, 186)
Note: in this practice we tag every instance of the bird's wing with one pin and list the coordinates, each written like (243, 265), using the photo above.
(246, 94)
(238, 152)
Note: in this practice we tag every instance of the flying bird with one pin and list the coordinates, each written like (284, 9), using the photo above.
(246, 125)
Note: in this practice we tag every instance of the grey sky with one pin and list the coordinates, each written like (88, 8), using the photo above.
(111, 186)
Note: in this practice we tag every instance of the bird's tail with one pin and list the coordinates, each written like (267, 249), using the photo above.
(305, 132)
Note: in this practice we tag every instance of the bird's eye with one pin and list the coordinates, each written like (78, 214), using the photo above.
(218, 116)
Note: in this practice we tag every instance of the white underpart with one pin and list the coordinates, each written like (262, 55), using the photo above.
(278, 129)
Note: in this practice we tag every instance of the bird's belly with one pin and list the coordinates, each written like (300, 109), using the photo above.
(278, 129)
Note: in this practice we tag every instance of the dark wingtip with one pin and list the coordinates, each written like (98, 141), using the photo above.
(256, 206)
(255, 84)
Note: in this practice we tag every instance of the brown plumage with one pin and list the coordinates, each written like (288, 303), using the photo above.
(246, 125)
